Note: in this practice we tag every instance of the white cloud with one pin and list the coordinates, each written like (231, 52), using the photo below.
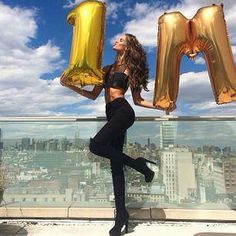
(140, 20)
(22, 91)
(140, 10)
(112, 8)
(200, 60)
(196, 97)
(14, 34)
(71, 4)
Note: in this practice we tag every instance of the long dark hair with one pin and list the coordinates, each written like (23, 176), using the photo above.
(136, 61)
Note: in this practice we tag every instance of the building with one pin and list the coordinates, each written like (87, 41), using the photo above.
(229, 169)
(178, 174)
(39, 145)
(52, 145)
(167, 135)
(96, 169)
(141, 195)
(25, 143)
(63, 144)
(76, 139)
(218, 177)
(1, 146)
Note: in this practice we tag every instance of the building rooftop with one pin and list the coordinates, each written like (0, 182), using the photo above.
(101, 228)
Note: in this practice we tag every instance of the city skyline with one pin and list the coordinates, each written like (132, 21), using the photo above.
(190, 133)
(82, 178)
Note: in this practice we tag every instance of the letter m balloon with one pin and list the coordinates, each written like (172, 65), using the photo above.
(205, 32)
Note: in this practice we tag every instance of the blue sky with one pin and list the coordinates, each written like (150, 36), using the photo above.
(35, 45)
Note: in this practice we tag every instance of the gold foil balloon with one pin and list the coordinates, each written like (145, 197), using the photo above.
(205, 32)
(84, 66)
(173, 36)
(210, 37)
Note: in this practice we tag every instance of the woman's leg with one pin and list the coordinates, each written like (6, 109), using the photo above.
(118, 177)
(116, 126)
(111, 131)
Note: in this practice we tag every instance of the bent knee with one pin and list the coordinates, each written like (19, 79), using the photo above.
(94, 146)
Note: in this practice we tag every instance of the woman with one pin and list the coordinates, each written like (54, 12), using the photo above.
(129, 70)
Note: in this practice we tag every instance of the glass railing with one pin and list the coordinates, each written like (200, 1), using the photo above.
(48, 163)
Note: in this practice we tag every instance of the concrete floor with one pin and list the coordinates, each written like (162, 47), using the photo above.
(101, 228)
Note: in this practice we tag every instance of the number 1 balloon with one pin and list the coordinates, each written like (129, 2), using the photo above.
(84, 66)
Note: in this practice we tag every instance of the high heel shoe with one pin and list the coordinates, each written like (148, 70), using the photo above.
(144, 169)
(120, 221)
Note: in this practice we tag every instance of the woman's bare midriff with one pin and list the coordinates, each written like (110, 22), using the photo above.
(113, 93)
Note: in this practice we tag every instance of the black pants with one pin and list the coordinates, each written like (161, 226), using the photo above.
(109, 141)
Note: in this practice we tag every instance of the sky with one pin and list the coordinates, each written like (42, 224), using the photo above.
(35, 47)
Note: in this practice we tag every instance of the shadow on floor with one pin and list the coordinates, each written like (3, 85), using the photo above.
(215, 234)
(8, 230)
(135, 214)
(132, 225)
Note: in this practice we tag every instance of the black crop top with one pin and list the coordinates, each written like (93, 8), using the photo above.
(115, 79)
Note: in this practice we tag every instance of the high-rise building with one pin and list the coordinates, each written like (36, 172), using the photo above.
(218, 177)
(63, 144)
(178, 174)
(148, 144)
(25, 143)
(76, 140)
(96, 169)
(229, 168)
(1, 146)
(52, 145)
(167, 135)
(226, 150)
(39, 145)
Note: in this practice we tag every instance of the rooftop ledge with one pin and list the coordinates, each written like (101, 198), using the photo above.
(108, 213)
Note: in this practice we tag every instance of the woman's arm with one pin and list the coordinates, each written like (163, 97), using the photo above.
(88, 94)
(139, 101)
